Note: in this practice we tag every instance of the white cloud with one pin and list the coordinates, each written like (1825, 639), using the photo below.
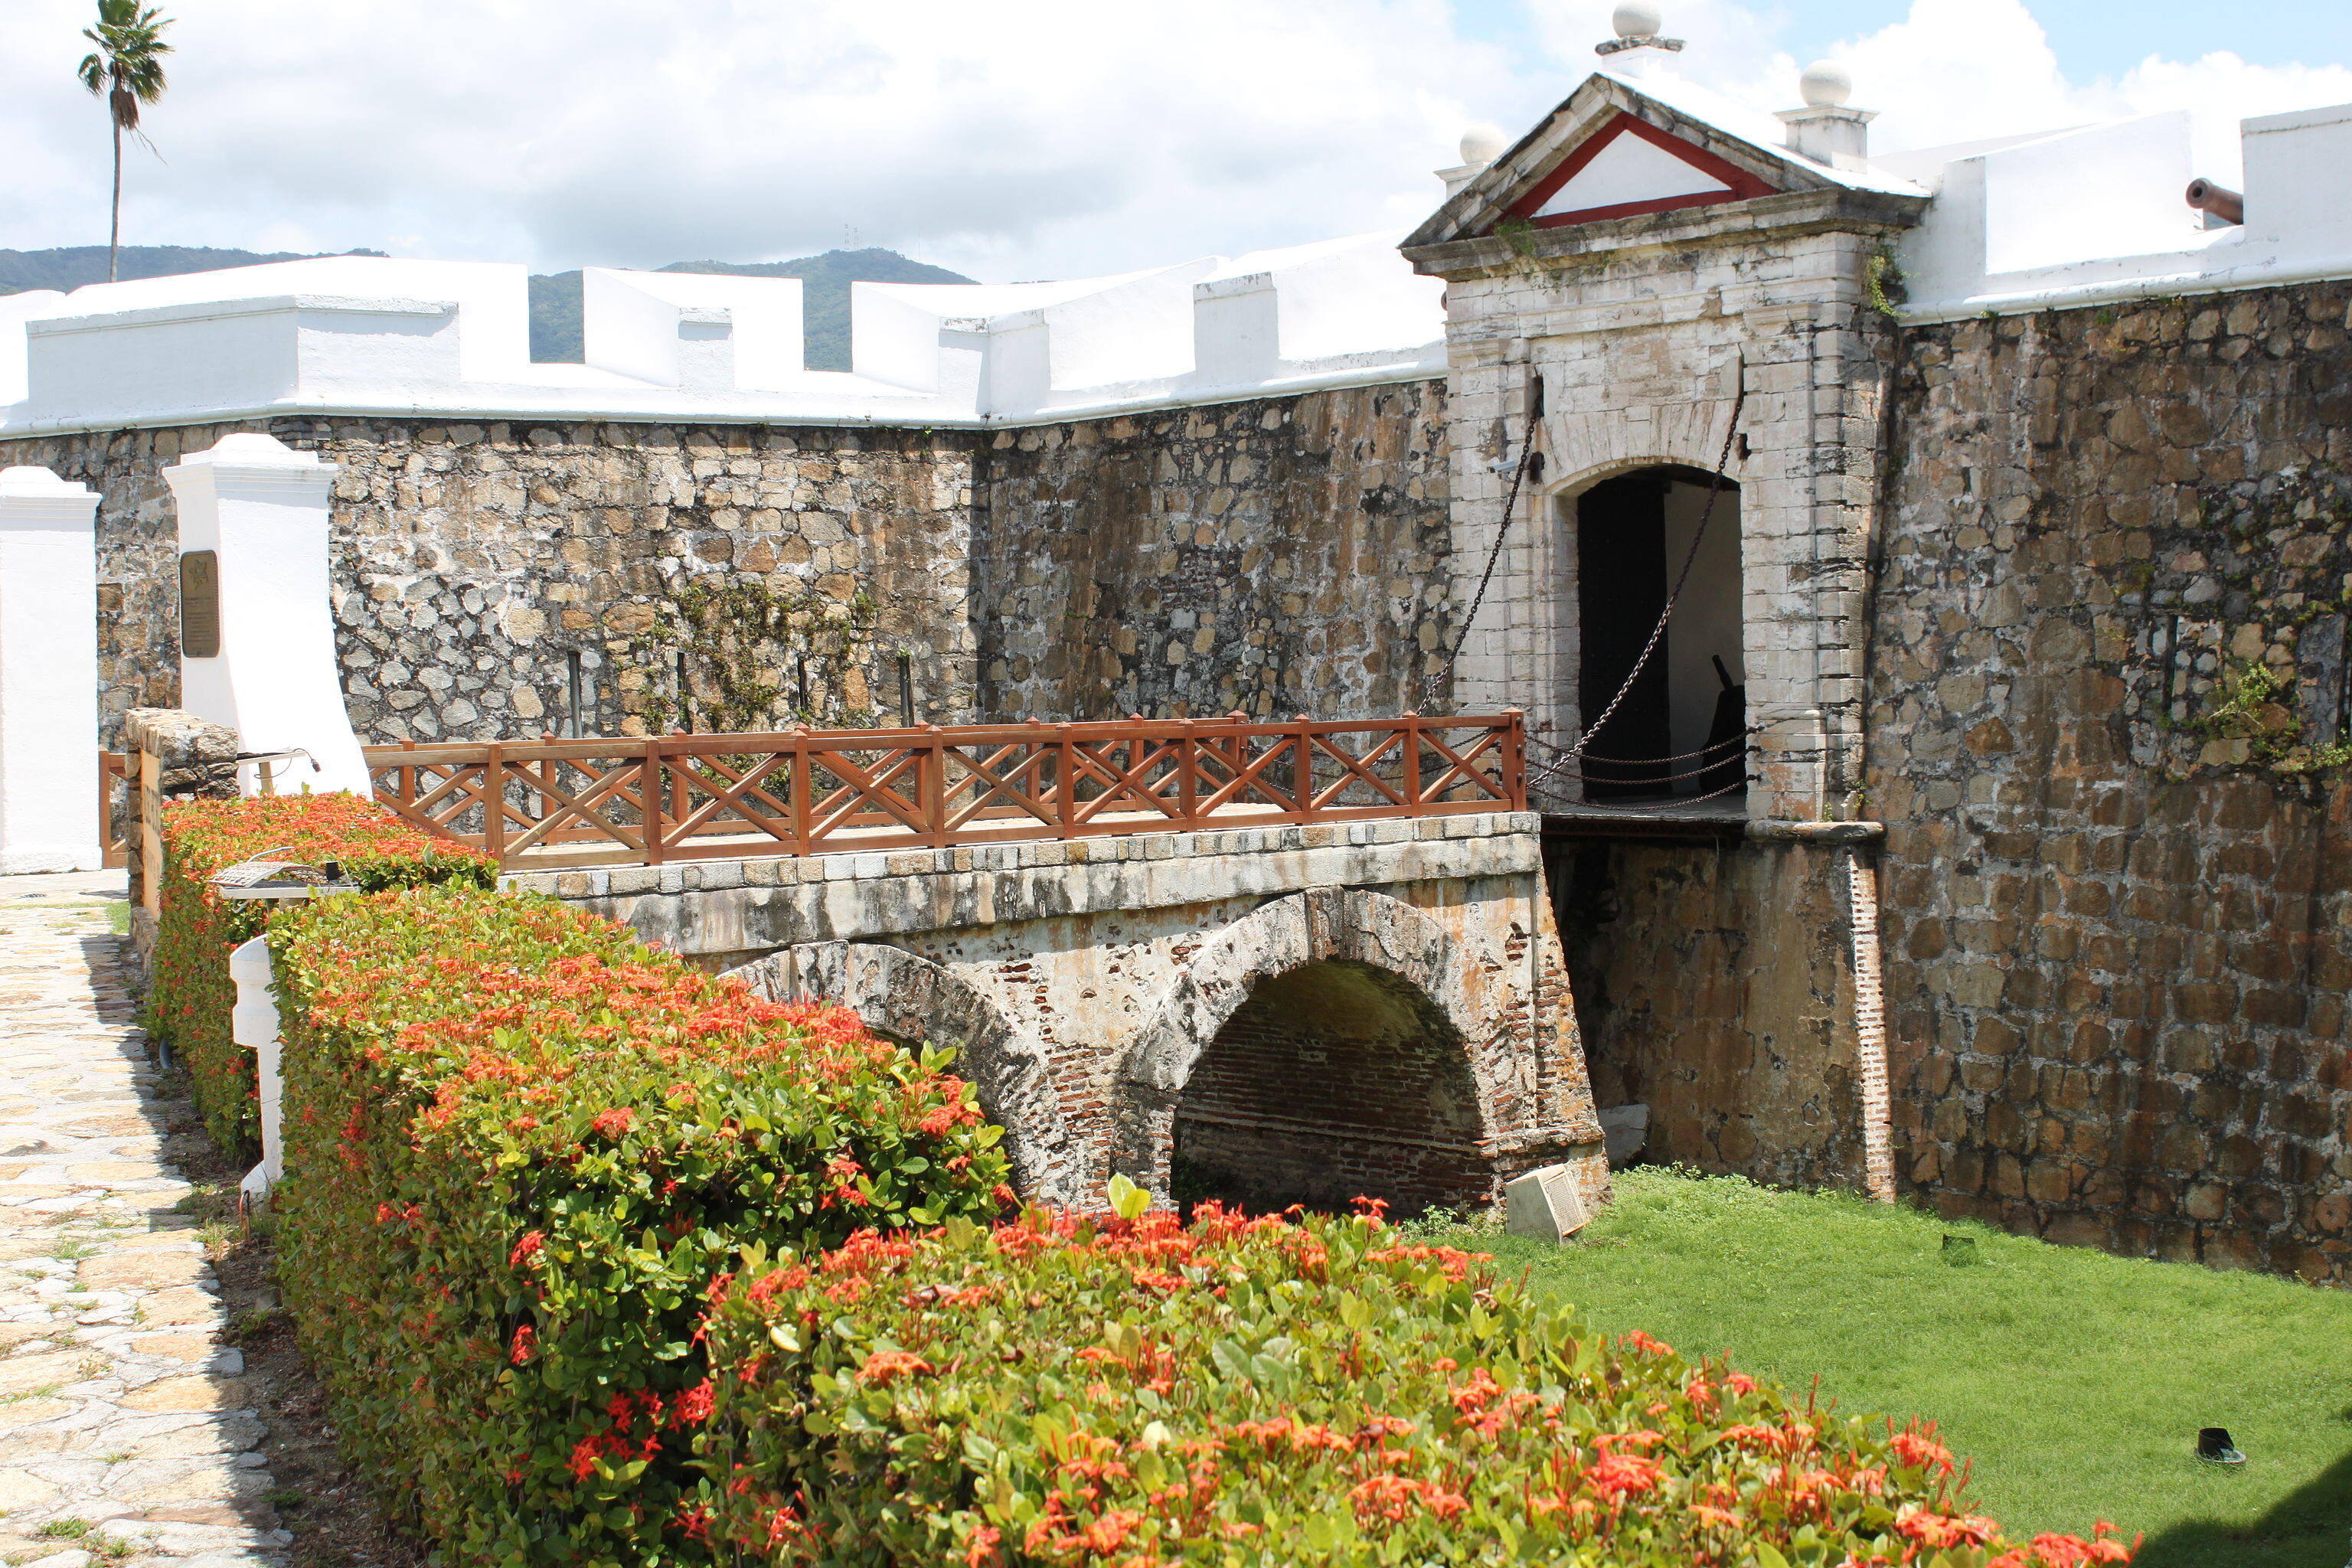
(1024, 139)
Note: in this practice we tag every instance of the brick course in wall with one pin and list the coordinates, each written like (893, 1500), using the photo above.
(2116, 901)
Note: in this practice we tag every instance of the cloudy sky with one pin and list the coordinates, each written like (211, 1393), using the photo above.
(1012, 140)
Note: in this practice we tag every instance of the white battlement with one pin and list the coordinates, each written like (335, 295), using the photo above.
(2099, 213)
(369, 336)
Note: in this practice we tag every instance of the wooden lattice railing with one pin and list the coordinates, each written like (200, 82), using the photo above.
(549, 804)
(118, 780)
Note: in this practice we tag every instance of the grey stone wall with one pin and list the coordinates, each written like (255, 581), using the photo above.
(1714, 983)
(1286, 556)
(1283, 556)
(475, 563)
(2106, 698)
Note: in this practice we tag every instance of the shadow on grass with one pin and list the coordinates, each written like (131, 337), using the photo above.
(2308, 1528)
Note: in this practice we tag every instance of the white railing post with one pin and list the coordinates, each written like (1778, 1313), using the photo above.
(253, 1023)
(49, 675)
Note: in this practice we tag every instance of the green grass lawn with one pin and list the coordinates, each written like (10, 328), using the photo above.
(2075, 1382)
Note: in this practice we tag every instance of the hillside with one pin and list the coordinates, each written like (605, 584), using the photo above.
(72, 266)
(824, 298)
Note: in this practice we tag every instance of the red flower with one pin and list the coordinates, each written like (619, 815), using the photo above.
(615, 1123)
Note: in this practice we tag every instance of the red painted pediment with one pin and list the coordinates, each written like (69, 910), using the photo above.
(1628, 167)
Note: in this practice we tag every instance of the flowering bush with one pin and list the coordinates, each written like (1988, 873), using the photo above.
(1125, 1390)
(190, 996)
(519, 1145)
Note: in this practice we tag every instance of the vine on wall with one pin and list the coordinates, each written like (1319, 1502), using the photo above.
(738, 656)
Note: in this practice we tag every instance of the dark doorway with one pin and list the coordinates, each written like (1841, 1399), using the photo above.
(1633, 534)
(1332, 1081)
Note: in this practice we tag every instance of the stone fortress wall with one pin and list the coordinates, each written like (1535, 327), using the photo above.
(2118, 875)
(1277, 555)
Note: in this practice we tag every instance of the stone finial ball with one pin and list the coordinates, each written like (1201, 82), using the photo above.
(1825, 84)
(1637, 19)
(1483, 144)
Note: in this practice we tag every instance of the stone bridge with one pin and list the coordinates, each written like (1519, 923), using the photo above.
(1278, 1013)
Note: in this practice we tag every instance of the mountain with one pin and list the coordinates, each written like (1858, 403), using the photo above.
(824, 298)
(70, 267)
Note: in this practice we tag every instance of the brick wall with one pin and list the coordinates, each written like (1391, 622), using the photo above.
(1330, 1082)
(2118, 873)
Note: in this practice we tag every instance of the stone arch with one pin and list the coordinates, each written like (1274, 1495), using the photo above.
(908, 997)
(1391, 941)
(1583, 448)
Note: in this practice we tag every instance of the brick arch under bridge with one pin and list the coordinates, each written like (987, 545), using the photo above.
(1089, 982)
(1325, 1045)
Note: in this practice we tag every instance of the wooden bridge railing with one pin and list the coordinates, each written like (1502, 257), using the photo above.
(550, 804)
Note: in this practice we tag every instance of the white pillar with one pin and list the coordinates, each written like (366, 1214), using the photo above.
(253, 1023)
(48, 674)
(260, 507)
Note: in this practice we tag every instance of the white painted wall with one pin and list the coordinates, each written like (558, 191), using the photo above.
(358, 335)
(263, 506)
(2099, 213)
(48, 674)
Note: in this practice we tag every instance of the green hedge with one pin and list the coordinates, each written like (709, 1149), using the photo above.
(1258, 1391)
(190, 992)
(519, 1145)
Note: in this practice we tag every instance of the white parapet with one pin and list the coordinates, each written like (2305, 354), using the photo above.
(2099, 213)
(259, 509)
(48, 674)
(357, 335)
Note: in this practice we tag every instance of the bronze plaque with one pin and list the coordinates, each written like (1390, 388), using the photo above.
(200, 604)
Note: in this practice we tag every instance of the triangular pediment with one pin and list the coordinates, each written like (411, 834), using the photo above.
(1616, 149)
(1629, 167)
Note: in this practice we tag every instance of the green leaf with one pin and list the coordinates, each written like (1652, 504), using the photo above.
(1126, 1200)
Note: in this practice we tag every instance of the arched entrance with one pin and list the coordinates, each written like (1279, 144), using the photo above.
(1333, 1080)
(1677, 732)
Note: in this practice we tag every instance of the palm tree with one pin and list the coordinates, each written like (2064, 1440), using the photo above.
(127, 70)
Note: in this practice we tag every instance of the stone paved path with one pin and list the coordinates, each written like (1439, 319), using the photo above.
(121, 1408)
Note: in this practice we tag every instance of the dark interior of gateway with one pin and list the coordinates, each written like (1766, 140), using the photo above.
(1676, 734)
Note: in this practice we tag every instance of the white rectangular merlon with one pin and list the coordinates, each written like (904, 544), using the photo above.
(48, 674)
(2299, 180)
(2099, 214)
(237, 354)
(2107, 190)
(16, 309)
(700, 331)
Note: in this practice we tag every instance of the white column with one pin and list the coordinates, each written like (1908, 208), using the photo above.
(48, 674)
(260, 507)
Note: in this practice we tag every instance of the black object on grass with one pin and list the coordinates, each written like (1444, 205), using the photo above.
(2213, 1446)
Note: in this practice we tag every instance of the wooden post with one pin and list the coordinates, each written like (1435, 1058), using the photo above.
(1065, 790)
(151, 831)
(1412, 763)
(1306, 764)
(494, 803)
(649, 785)
(1188, 776)
(1514, 760)
(800, 786)
(934, 772)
